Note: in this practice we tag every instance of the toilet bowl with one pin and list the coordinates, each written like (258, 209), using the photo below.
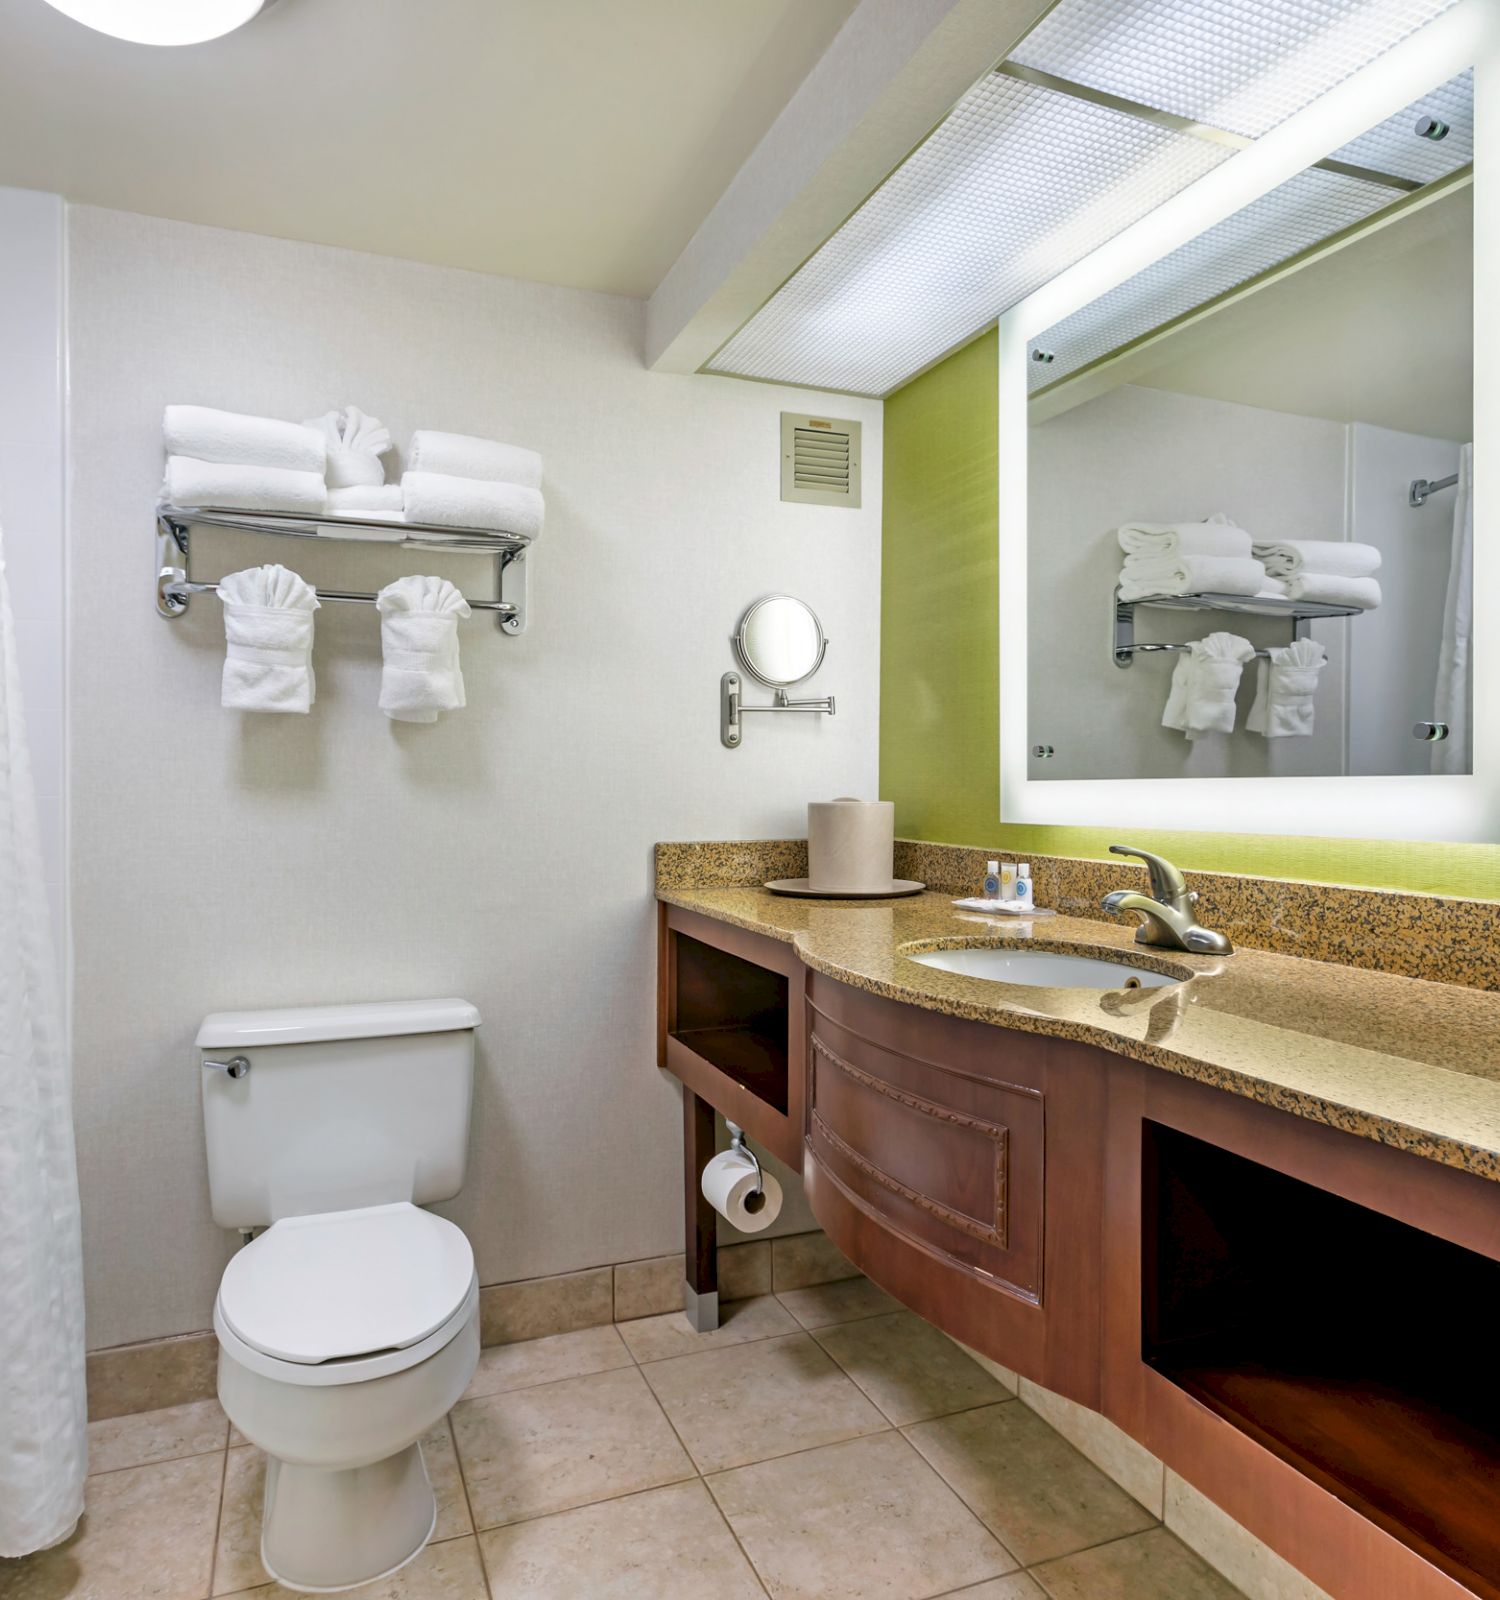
(343, 1337)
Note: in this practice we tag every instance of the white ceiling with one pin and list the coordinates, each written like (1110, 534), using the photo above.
(577, 142)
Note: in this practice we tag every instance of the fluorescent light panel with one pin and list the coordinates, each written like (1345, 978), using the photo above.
(1020, 182)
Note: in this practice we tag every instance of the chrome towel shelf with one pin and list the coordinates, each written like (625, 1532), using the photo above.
(1299, 612)
(174, 587)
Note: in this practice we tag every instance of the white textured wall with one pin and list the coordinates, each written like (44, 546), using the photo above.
(505, 854)
(1139, 454)
(31, 493)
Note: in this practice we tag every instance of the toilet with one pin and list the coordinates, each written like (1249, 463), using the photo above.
(350, 1326)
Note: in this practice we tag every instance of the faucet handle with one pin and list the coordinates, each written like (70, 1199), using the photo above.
(1167, 882)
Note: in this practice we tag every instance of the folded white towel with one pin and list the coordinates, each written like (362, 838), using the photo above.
(1289, 558)
(268, 636)
(229, 436)
(1204, 683)
(1284, 689)
(1141, 576)
(230, 487)
(355, 444)
(1218, 536)
(472, 503)
(460, 456)
(419, 641)
(1332, 590)
(383, 501)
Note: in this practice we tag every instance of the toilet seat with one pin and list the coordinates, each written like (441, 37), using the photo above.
(340, 1296)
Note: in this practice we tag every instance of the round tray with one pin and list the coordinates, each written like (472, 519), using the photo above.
(799, 888)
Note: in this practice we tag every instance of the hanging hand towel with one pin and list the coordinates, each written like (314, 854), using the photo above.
(458, 456)
(472, 503)
(1204, 685)
(1330, 589)
(1284, 690)
(1290, 558)
(1141, 576)
(1216, 537)
(268, 633)
(229, 487)
(355, 444)
(419, 641)
(227, 436)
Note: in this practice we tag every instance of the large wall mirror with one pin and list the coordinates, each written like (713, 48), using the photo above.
(1238, 485)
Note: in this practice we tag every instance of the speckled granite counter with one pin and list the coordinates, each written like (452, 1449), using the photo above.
(1402, 1061)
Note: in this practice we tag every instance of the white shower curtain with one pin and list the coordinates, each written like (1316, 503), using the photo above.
(43, 1421)
(1455, 685)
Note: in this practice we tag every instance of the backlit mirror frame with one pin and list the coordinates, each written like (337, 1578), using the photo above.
(1447, 807)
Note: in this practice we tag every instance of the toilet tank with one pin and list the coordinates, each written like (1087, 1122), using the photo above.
(342, 1106)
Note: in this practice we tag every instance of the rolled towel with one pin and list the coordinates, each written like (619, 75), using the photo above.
(419, 641)
(207, 484)
(472, 503)
(1330, 590)
(1141, 576)
(268, 636)
(460, 456)
(229, 436)
(355, 444)
(1284, 689)
(1289, 558)
(1218, 536)
(1204, 684)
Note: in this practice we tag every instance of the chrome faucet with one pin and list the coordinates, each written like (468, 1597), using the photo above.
(1167, 912)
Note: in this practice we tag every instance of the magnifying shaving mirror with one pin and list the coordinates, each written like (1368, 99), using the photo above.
(779, 642)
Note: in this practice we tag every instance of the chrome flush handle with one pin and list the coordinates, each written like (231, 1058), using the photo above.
(235, 1067)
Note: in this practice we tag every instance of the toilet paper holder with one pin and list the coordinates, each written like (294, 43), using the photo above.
(740, 1145)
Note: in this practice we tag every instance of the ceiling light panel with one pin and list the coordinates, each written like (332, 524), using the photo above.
(1017, 184)
(1395, 146)
(1243, 65)
(1293, 217)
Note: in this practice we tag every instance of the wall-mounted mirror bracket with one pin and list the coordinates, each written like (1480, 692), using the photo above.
(732, 707)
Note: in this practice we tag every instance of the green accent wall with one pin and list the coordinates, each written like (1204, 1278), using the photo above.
(939, 669)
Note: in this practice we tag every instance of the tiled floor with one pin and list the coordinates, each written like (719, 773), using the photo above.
(823, 1445)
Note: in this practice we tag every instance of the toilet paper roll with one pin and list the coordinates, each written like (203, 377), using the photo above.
(729, 1187)
(850, 844)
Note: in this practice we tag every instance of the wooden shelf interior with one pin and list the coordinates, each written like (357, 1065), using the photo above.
(1355, 1347)
(734, 1015)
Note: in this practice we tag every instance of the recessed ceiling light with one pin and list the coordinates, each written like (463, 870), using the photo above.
(163, 21)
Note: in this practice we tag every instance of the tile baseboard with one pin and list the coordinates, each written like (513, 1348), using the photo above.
(155, 1373)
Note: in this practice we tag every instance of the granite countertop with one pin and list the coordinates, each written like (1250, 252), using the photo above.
(1403, 1061)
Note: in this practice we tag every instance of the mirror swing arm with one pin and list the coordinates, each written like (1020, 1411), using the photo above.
(732, 708)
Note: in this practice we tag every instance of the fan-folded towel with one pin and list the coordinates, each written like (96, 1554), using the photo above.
(355, 443)
(472, 503)
(233, 487)
(1204, 683)
(268, 638)
(231, 437)
(460, 456)
(419, 642)
(1284, 688)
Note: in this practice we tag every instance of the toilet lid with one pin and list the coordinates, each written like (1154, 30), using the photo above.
(346, 1283)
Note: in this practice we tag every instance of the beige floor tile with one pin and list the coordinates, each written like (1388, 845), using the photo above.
(754, 1401)
(1149, 1566)
(1016, 1587)
(1027, 1483)
(744, 1269)
(147, 1534)
(562, 1355)
(657, 1338)
(865, 1520)
(191, 1430)
(668, 1544)
(909, 1369)
(536, 1307)
(448, 1571)
(648, 1288)
(237, 1564)
(828, 1303)
(566, 1444)
(802, 1259)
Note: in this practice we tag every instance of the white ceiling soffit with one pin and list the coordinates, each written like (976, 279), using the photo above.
(1020, 181)
(1300, 214)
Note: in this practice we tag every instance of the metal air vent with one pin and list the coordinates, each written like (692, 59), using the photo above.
(819, 460)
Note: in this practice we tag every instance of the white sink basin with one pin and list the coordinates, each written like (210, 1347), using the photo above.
(1043, 969)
